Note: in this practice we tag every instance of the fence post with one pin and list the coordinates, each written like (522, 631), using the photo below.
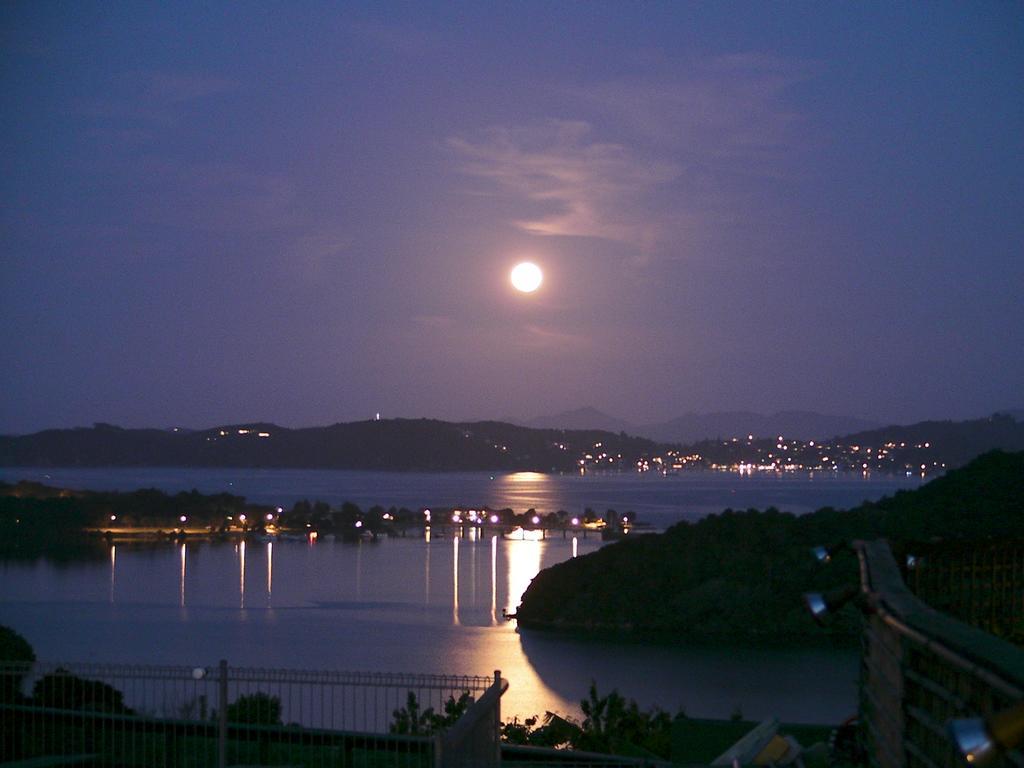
(222, 715)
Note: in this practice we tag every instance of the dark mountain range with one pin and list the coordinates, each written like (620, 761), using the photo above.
(393, 444)
(431, 445)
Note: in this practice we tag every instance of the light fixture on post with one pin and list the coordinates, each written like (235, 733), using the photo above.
(823, 605)
(979, 740)
(824, 554)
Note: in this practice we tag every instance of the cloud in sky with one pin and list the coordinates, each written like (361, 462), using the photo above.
(580, 186)
(680, 142)
(724, 107)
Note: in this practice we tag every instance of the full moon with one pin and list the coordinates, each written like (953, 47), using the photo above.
(526, 277)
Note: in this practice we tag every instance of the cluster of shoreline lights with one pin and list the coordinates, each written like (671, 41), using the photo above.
(475, 517)
(786, 456)
(243, 520)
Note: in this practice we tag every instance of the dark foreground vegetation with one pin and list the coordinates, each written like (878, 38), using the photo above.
(742, 573)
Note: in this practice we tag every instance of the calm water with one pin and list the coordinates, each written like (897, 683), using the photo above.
(658, 500)
(415, 604)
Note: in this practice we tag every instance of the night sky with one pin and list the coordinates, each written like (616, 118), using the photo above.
(306, 213)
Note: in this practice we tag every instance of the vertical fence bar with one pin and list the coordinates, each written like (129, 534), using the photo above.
(222, 715)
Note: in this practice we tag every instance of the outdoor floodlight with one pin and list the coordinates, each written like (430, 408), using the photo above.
(821, 606)
(816, 605)
(978, 740)
(824, 554)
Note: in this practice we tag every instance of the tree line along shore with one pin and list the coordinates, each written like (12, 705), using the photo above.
(41, 520)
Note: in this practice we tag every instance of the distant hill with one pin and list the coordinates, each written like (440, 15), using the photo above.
(431, 445)
(741, 573)
(390, 444)
(693, 427)
(800, 425)
(961, 441)
(582, 418)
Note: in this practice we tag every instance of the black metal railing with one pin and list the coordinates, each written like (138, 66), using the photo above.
(134, 715)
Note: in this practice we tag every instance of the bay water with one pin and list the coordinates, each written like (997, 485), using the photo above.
(426, 604)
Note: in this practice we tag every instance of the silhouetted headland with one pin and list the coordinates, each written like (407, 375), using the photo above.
(741, 573)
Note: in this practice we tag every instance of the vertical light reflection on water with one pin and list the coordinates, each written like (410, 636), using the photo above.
(426, 569)
(455, 580)
(270, 570)
(472, 569)
(359, 570)
(494, 580)
(523, 564)
(181, 580)
(113, 568)
(575, 546)
(241, 572)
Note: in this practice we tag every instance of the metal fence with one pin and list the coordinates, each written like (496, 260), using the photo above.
(129, 715)
(921, 668)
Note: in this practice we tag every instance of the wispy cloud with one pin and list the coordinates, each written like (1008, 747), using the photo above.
(684, 148)
(723, 109)
(581, 186)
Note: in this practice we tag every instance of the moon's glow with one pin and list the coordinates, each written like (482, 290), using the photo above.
(526, 277)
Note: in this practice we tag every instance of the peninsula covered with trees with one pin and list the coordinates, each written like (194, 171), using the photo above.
(742, 573)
